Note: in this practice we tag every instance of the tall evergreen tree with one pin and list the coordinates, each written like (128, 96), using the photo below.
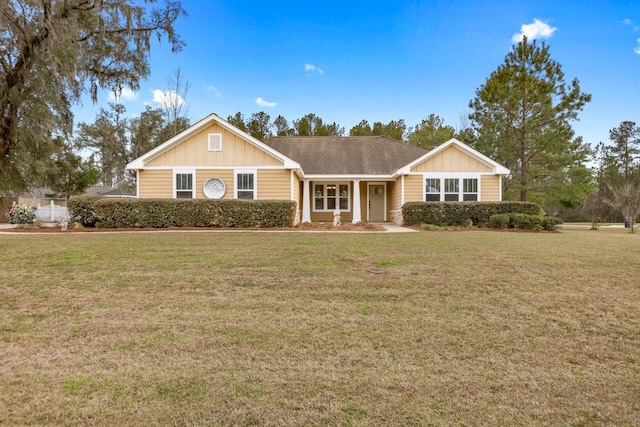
(430, 133)
(522, 115)
(260, 125)
(395, 129)
(313, 125)
(623, 155)
(282, 126)
(238, 121)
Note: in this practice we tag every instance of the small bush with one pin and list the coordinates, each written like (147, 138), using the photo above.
(21, 214)
(81, 210)
(551, 223)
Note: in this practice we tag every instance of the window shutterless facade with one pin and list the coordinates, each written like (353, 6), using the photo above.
(328, 196)
(246, 184)
(432, 186)
(183, 184)
(451, 188)
(470, 189)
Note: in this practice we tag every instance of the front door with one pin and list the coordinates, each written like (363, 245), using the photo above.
(376, 203)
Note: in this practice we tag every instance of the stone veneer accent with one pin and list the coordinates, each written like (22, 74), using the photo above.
(396, 217)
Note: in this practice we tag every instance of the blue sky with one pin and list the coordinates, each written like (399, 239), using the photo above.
(386, 60)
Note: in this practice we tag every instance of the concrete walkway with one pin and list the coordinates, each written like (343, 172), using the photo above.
(395, 228)
(389, 227)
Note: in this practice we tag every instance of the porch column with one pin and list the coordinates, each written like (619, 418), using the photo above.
(306, 200)
(357, 216)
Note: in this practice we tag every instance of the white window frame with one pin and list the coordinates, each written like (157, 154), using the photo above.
(438, 187)
(477, 192)
(214, 142)
(460, 176)
(253, 172)
(325, 197)
(191, 172)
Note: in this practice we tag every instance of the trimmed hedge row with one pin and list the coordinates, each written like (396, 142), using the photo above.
(525, 221)
(161, 213)
(462, 213)
(81, 210)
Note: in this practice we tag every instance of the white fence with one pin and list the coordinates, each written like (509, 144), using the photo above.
(51, 212)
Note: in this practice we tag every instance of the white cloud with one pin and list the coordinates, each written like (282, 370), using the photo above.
(629, 23)
(536, 30)
(125, 94)
(215, 91)
(261, 102)
(637, 49)
(309, 68)
(167, 98)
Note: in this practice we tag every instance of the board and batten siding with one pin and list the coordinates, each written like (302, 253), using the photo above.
(490, 188)
(155, 183)
(451, 160)
(194, 151)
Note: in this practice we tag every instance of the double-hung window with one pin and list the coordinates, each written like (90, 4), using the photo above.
(451, 188)
(245, 185)
(470, 189)
(326, 197)
(184, 185)
(432, 190)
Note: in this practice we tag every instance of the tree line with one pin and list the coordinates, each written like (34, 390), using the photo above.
(429, 133)
(53, 52)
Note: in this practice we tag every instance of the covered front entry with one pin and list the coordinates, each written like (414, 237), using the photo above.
(377, 201)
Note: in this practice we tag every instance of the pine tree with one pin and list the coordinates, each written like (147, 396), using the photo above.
(522, 115)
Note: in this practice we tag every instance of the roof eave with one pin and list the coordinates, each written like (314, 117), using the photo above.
(349, 177)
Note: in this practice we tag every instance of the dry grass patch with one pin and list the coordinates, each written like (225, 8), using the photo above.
(470, 328)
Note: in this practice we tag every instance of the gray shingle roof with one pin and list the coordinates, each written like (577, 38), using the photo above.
(354, 155)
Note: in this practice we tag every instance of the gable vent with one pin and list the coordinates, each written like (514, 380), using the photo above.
(215, 142)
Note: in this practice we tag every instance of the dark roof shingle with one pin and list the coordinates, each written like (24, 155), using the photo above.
(354, 155)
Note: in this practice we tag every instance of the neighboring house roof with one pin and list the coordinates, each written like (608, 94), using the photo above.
(118, 192)
(97, 190)
(139, 163)
(37, 193)
(354, 155)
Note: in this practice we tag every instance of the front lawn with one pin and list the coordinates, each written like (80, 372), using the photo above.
(292, 328)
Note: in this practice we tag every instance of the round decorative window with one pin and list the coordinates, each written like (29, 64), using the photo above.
(214, 188)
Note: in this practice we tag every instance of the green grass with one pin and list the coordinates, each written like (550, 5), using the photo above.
(221, 328)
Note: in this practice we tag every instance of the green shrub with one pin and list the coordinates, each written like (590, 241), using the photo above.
(551, 223)
(524, 221)
(527, 222)
(160, 213)
(462, 213)
(21, 214)
(81, 210)
(500, 221)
